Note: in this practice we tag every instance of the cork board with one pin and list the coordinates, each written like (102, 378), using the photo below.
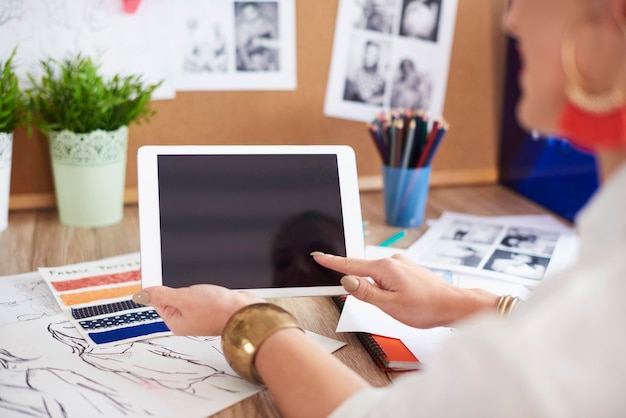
(467, 156)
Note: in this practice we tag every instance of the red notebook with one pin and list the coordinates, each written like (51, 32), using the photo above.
(390, 354)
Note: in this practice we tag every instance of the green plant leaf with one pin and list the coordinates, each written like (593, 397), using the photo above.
(13, 103)
(73, 95)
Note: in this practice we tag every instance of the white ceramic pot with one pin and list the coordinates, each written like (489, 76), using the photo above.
(6, 151)
(89, 173)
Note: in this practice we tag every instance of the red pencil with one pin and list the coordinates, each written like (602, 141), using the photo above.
(429, 143)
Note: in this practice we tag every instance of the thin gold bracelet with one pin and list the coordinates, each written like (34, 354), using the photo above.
(247, 330)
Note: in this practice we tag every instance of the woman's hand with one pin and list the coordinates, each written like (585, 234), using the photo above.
(195, 310)
(406, 291)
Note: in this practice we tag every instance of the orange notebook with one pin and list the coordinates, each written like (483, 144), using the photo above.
(390, 354)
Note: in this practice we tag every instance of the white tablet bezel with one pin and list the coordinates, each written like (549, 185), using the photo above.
(149, 212)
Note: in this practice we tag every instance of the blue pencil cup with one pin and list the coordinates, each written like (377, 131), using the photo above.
(405, 191)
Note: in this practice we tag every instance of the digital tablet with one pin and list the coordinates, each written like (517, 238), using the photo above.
(247, 217)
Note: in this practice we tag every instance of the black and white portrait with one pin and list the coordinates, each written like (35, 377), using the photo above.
(206, 46)
(420, 19)
(530, 240)
(475, 232)
(412, 88)
(375, 15)
(456, 253)
(518, 264)
(365, 81)
(257, 36)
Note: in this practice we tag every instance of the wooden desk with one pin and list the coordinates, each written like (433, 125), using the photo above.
(36, 238)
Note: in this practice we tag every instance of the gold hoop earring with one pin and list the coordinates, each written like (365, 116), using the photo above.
(576, 94)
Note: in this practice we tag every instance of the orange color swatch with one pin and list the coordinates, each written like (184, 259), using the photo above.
(71, 299)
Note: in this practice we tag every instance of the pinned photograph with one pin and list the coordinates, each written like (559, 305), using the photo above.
(365, 80)
(412, 87)
(206, 50)
(234, 45)
(376, 15)
(420, 19)
(257, 36)
(373, 67)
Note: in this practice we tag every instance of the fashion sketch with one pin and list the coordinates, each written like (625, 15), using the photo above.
(48, 370)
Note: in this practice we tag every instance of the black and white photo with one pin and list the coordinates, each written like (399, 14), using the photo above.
(412, 87)
(206, 49)
(365, 81)
(420, 19)
(376, 15)
(530, 240)
(456, 253)
(476, 232)
(257, 36)
(518, 264)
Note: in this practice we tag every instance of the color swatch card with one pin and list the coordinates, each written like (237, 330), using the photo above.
(96, 296)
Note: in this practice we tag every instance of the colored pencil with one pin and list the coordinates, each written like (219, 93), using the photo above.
(429, 142)
(435, 145)
(393, 239)
(378, 141)
(406, 138)
(409, 144)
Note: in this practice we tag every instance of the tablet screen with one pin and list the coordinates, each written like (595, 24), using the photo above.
(249, 221)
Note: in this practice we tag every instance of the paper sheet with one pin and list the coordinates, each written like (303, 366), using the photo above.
(389, 54)
(232, 45)
(50, 370)
(189, 45)
(123, 43)
(519, 249)
(25, 297)
(96, 298)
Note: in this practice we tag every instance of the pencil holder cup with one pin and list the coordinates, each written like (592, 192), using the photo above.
(405, 191)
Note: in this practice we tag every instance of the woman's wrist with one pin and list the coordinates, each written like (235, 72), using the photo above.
(247, 330)
(469, 302)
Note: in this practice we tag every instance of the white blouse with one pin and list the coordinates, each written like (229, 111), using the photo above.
(563, 354)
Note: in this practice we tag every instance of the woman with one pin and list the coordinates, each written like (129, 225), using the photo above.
(561, 353)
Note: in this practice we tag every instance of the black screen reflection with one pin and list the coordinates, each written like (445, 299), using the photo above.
(249, 221)
(292, 263)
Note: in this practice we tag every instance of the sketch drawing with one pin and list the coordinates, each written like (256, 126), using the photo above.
(47, 370)
(25, 297)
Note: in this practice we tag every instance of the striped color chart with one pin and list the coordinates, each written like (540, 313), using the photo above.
(96, 297)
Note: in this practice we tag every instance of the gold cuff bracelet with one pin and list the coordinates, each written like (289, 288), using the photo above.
(247, 330)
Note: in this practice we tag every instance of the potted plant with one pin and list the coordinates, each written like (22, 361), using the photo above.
(86, 118)
(13, 113)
